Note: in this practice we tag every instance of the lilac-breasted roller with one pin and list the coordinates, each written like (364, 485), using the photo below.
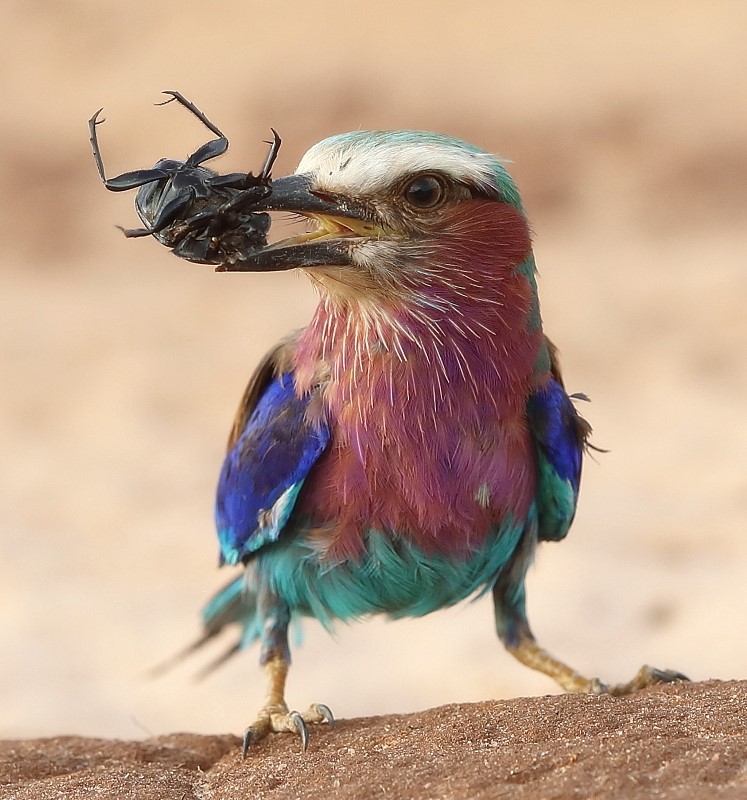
(411, 446)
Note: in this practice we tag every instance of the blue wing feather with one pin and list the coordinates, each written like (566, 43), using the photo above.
(265, 468)
(559, 434)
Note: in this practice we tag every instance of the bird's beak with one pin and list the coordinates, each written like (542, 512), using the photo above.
(340, 223)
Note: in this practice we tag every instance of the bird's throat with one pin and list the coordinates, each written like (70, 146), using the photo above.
(417, 395)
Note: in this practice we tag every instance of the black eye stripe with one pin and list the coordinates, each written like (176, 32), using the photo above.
(425, 191)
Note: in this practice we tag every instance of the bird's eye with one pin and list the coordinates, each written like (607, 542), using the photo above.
(426, 191)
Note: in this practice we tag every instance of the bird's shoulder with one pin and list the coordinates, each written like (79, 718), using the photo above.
(273, 444)
(277, 361)
(560, 436)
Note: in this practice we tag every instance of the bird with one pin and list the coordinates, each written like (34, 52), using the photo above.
(414, 443)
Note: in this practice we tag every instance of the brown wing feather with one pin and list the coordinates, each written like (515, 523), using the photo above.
(582, 427)
(554, 361)
(277, 360)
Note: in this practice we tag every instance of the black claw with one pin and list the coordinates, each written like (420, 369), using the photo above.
(598, 686)
(303, 731)
(246, 742)
(326, 712)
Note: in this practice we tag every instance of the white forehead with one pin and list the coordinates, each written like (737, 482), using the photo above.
(365, 163)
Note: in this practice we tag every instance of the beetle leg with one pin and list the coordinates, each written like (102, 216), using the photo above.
(271, 156)
(93, 138)
(134, 179)
(244, 200)
(231, 180)
(135, 233)
(171, 211)
(127, 180)
(213, 148)
(243, 181)
(180, 98)
(197, 250)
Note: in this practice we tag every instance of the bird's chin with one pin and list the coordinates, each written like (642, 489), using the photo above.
(339, 224)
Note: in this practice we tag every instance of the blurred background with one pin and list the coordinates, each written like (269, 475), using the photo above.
(121, 366)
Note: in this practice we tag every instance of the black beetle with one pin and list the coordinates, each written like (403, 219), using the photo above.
(201, 215)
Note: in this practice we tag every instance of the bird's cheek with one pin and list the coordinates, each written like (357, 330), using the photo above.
(377, 256)
(487, 232)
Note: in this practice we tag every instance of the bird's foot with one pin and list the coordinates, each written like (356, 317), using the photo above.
(531, 654)
(645, 677)
(278, 719)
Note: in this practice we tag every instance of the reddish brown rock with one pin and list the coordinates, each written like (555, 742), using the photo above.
(684, 741)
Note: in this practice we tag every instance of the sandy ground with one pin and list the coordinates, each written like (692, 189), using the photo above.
(121, 366)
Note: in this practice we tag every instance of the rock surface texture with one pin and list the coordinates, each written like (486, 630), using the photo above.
(680, 741)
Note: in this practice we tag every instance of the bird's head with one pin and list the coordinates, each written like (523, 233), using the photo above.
(400, 214)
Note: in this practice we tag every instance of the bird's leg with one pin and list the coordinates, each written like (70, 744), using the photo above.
(275, 716)
(514, 631)
(530, 653)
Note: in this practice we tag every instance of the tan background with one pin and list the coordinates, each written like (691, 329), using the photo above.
(121, 366)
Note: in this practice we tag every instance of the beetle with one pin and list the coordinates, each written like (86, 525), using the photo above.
(201, 215)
